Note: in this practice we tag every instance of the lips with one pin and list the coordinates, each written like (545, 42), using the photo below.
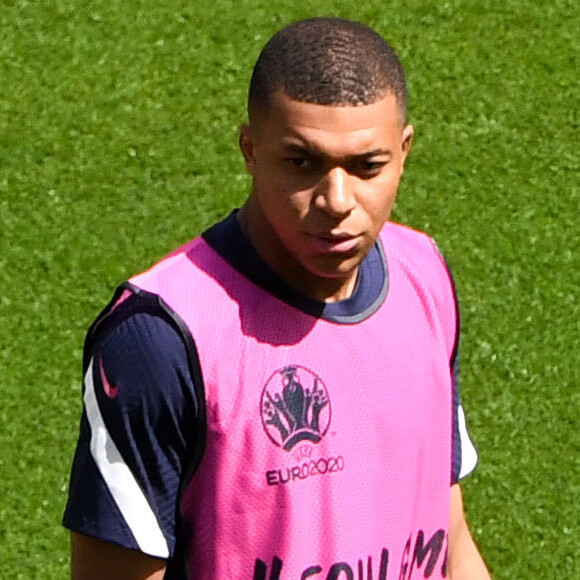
(334, 243)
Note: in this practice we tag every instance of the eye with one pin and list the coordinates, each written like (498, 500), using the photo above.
(303, 163)
(370, 168)
(298, 162)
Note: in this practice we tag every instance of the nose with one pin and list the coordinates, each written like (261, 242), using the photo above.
(335, 193)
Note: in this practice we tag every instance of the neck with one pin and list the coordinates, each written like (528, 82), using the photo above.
(286, 266)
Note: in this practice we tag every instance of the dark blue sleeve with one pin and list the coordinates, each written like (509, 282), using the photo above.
(136, 436)
(455, 435)
(463, 453)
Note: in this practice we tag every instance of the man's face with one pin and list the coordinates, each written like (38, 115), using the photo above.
(324, 182)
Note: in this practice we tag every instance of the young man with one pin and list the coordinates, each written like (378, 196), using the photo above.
(276, 399)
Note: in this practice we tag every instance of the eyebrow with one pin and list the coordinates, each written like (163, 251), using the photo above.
(306, 148)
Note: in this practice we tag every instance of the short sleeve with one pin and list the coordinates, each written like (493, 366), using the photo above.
(464, 454)
(137, 431)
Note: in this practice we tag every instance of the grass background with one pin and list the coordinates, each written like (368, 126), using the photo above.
(118, 141)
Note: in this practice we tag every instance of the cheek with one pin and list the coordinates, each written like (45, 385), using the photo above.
(289, 200)
(274, 186)
(284, 208)
(300, 201)
(379, 202)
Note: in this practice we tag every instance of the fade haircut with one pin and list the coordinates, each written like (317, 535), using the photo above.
(327, 61)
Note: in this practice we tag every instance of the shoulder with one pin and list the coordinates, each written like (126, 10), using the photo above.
(415, 257)
(139, 348)
(140, 361)
(136, 322)
(405, 241)
(418, 255)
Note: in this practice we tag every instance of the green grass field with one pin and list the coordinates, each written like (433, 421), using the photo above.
(118, 141)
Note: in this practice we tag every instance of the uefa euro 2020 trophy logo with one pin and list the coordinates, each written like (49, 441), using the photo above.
(292, 412)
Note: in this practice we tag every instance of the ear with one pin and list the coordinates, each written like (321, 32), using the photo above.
(246, 142)
(406, 142)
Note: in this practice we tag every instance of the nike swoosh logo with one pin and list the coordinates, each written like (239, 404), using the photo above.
(110, 391)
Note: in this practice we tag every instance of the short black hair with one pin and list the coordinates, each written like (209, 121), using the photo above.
(327, 61)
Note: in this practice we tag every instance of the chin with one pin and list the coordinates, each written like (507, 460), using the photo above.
(337, 271)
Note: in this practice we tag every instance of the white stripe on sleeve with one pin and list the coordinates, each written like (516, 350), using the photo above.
(121, 483)
(468, 452)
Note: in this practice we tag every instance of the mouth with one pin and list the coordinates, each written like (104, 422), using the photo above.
(340, 243)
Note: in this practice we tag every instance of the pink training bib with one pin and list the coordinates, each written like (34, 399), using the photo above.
(328, 446)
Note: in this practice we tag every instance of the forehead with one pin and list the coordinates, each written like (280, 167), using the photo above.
(333, 129)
